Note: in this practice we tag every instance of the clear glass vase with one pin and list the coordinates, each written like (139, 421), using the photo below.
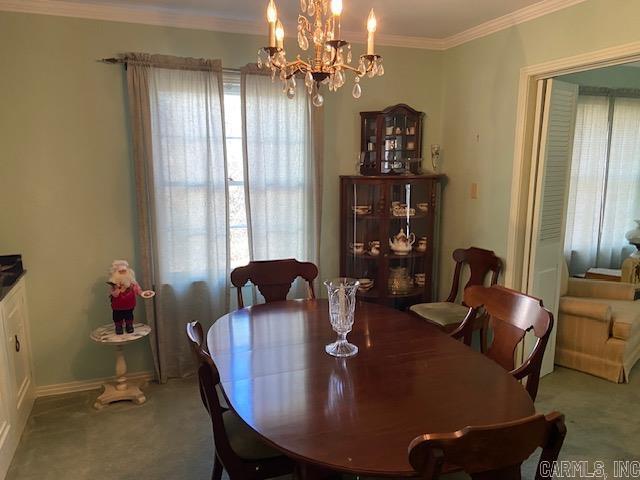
(342, 306)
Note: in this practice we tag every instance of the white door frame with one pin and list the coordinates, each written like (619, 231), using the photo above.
(521, 212)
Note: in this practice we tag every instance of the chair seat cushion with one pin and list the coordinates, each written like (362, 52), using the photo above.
(441, 313)
(244, 441)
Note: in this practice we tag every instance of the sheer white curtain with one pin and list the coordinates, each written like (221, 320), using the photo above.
(605, 182)
(178, 130)
(622, 201)
(282, 171)
(586, 191)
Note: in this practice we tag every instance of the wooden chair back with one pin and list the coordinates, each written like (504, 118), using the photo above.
(274, 278)
(481, 262)
(493, 452)
(209, 381)
(511, 314)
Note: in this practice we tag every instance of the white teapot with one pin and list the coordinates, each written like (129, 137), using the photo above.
(401, 243)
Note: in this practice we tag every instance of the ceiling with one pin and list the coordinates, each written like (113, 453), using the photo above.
(418, 18)
(414, 23)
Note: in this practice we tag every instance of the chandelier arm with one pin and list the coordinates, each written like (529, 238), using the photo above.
(349, 67)
(300, 63)
(334, 58)
(295, 67)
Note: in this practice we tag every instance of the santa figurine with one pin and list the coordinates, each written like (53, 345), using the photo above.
(124, 289)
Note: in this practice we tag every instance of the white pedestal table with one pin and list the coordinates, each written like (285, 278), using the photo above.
(121, 389)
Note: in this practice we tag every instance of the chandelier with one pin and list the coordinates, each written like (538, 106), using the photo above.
(331, 55)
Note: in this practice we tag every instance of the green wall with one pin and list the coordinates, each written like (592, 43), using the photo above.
(479, 114)
(67, 194)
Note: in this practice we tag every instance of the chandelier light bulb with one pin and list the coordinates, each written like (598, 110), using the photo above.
(279, 34)
(272, 12)
(336, 7)
(372, 23)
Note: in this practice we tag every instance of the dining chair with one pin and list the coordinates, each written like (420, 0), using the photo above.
(274, 278)
(448, 315)
(510, 314)
(493, 452)
(238, 449)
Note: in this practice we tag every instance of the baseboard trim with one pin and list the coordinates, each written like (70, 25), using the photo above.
(83, 385)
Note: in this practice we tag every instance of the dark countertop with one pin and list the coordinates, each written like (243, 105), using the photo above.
(7, 282)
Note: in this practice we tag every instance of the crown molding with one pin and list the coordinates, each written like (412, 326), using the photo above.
(391, 40)
(545, 7)
(180, 18)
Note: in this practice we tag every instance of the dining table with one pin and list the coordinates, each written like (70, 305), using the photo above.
(355, 415)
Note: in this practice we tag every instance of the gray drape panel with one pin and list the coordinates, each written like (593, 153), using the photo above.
(140, 121)
(176, 117)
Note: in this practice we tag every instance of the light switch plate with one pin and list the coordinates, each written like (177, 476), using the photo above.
(473, 191)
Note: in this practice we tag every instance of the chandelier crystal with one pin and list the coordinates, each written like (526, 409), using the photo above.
(331, 56)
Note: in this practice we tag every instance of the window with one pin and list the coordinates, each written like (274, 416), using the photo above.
(239, 241)
(281, 175)
(189, 190)
(202, 215)
(604, 192)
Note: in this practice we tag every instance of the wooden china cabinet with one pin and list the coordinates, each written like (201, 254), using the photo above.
(375, 209)
(391, 141)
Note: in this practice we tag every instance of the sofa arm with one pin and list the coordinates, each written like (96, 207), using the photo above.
(586, 288)
(584, 326)
(580, 307)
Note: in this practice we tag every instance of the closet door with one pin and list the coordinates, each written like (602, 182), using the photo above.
(557, 114)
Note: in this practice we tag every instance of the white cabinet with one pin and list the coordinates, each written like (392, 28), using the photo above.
(6, 426)
(17, 391)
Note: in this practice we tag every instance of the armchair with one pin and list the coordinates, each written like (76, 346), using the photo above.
(598, 328)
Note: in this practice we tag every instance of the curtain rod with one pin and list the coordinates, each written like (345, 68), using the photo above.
(609, 92)
(115, 60)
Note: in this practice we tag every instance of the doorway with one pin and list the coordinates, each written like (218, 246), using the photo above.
(542, 172)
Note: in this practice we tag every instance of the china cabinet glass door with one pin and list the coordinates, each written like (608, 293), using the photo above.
(391, 141)
(370, 148)
(409, 233)
(362, 228)
(387, 236)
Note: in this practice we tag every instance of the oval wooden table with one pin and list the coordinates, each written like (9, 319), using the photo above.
(355, 415)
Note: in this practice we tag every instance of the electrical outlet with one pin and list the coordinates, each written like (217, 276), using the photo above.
(473, 191)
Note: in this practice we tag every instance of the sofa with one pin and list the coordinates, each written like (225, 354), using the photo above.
(598, 328)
